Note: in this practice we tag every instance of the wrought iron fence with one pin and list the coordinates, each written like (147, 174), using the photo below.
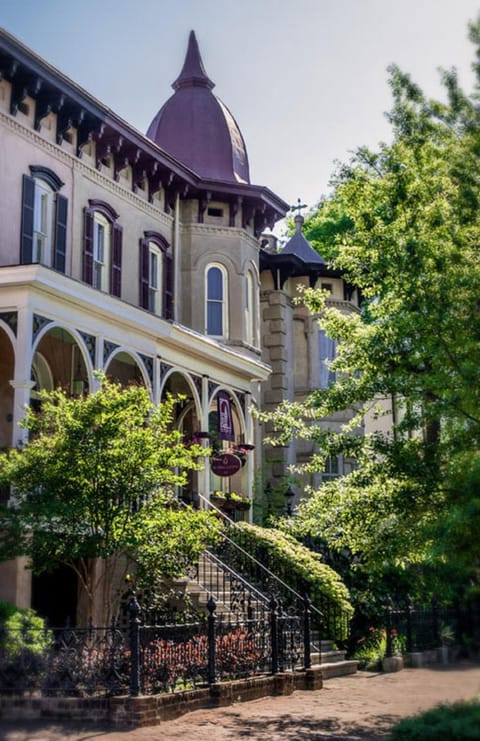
(412, 627)
(146, 658)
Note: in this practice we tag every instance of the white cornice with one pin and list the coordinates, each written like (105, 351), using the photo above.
(105, 314)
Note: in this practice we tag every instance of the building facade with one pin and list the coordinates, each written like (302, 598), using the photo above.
(141, 255)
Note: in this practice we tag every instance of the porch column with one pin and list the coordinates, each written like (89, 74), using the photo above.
(204, 476)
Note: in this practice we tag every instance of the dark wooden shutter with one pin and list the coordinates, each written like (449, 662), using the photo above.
(116, 262)
(60, 233)
(143, 271)
(88, 247)
(28, 203)
(167, 285)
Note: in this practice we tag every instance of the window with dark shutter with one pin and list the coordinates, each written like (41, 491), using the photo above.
(44, 219)
(144, 273)
(168, 286)
(28, 200)
(88, 247)
(60, 254)
(102, 248)
(116, 270)
(156, 275)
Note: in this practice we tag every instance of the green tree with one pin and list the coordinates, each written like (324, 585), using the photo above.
(403, 223)
(92, 490)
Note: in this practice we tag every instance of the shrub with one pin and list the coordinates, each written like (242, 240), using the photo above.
(447, 722)
(21, 629)
(297, 565)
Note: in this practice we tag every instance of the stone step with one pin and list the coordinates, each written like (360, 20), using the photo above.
(338, 669)
(327, 657)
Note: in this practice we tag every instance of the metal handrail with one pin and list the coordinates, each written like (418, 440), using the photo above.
(285, 587)
(233, 575)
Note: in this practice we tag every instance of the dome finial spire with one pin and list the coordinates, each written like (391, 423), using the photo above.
(193, 71)
(298, 220)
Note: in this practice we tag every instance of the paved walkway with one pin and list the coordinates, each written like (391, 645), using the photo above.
(360, 706)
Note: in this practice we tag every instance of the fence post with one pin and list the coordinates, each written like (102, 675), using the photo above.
(307, 641)
(388, 621)
(211, 673)
(408, 614)
(274, 634)
(134, 609)
(435, 625)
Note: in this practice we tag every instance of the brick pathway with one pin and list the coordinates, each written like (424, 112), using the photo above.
(361, 706)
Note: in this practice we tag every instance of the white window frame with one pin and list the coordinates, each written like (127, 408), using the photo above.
(223, 301)
(101, 251)
(249, 309)
(155, 278)
(42, 223)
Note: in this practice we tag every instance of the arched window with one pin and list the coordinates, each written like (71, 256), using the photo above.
(216, 301)
(102, 248)
(44, 219)
(327, 350)
(156, 275)
(250, 311)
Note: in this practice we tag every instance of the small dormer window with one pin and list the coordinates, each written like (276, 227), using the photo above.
(218, 212)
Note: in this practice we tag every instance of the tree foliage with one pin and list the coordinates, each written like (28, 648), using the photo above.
(92, 489)
(403, 223)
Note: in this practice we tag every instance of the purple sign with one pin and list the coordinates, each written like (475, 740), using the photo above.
(226, 464)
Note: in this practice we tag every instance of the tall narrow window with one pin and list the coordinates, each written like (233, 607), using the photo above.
(102, 249)
(216, 288)
(156, 279)
(44, 219)
(327, 349)
(250, 311)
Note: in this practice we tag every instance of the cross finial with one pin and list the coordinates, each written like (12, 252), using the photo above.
(299, 206)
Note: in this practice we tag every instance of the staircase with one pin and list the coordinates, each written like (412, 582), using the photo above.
(238, 599)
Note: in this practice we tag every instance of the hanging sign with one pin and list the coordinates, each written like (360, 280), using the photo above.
(225, 420)
(225, 464)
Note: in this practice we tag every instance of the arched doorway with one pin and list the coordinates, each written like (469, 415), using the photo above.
(235, 482)
(187, 420)
(58, 362)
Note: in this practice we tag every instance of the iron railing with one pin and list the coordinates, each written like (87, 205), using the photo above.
(239, 550)
(146, 658)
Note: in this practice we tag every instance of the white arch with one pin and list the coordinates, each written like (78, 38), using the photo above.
(139, 362)
(232, 394)
(10, 334)
(78, 340)
(196, 398)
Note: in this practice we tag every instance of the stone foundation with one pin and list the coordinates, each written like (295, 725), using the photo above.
(153, 709)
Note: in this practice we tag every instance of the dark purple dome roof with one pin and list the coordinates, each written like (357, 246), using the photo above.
(197, 128)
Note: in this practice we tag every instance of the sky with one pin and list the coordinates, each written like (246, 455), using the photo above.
(306, 80)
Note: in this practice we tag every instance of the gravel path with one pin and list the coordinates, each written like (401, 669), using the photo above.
(360, 706)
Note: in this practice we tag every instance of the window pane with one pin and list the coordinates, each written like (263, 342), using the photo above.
(327, 353)
(215, 284)
(214, 318)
